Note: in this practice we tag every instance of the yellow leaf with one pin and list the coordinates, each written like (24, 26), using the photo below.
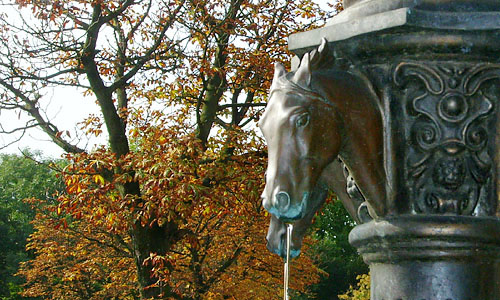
(99, 179)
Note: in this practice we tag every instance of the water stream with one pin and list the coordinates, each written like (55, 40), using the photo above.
(289, 228)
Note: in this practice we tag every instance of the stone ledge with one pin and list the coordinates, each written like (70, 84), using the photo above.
(348, 29)
(412, 18)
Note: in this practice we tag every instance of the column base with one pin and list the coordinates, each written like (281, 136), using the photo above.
(431, 257)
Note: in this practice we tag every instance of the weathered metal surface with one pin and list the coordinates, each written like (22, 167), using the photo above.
(434, 70)
(308, 124)
(431, 257)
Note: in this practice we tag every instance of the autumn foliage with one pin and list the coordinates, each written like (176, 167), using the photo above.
(78, 262)
(83, 248)
(170, 207)
(361, 291)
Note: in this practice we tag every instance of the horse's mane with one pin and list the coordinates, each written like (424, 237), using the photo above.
(286, 83)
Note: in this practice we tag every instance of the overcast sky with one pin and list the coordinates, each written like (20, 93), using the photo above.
(65, 107)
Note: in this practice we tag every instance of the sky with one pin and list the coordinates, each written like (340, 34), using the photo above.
(66, 106)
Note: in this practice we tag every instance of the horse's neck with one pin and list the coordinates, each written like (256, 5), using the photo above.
(357, 108)
(333, 176)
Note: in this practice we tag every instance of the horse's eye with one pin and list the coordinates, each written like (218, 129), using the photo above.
(302, 120)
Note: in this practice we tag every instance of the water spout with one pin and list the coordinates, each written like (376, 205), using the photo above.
(289, 229)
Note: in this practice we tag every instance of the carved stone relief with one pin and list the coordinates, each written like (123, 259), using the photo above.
(449, 111)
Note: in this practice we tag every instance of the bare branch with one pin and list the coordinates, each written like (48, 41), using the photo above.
(224, 106)
(13, 141)
(50, 129)
(140, 63)
(24, 128)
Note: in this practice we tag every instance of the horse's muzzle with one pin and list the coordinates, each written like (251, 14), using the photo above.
(280, 249)
(283, 209)
(276, 241)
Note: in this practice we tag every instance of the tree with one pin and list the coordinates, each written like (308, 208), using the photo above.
(220, 252)
(20, 178)
(335, 256)
(361, 291)
(77, 261)
(210, 62)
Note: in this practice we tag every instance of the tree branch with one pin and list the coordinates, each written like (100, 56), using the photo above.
(224, 106)
(139, 64)
(50, 129)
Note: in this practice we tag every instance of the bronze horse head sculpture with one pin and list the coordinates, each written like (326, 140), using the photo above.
(313, 118)
(335, 177)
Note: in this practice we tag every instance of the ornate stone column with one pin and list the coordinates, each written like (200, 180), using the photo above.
(435, 66)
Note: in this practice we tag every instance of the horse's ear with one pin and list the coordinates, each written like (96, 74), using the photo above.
(319, 56)
(279, 71)
(302, 76)
(323, 47)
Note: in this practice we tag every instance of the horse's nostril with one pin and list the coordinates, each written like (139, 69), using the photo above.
(266, 204)
(282, 200)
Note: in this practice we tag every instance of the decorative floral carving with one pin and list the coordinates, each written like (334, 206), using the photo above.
(448, 111)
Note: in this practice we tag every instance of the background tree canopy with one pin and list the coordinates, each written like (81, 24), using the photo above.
(170, 207)
(335, 255)
(20, 178)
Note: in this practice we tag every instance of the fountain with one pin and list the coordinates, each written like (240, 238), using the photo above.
(433, 70)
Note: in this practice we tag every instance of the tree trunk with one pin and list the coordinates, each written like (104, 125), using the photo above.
(147, 240)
